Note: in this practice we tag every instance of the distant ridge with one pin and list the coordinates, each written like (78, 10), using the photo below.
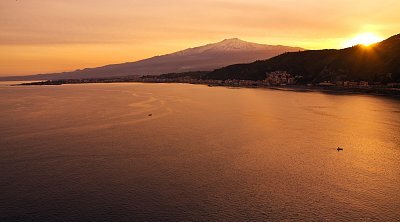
(379, 62)
(203, 58)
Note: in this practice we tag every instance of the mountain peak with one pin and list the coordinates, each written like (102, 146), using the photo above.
(231, 44)
(235, 44)
(232, 40)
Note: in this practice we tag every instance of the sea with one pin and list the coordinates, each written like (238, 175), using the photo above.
(182, 152)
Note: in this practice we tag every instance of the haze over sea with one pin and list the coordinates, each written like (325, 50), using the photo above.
(92, 152)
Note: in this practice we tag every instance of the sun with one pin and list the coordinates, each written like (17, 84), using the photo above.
(365, 39)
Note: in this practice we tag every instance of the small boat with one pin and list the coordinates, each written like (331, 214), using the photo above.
(150, 114)
(339, 149)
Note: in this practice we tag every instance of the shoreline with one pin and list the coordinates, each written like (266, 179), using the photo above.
(378, 91)
(370, 90)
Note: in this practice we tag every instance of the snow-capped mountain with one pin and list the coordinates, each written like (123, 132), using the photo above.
(232, 45)
(203, 58)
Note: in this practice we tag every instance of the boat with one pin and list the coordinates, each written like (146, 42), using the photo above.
(339, 149)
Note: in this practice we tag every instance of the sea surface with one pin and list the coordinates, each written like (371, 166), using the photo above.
(180, 152)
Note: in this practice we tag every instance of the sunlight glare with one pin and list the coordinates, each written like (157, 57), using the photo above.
(365, 39)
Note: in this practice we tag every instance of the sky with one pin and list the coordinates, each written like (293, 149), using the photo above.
(44, 36)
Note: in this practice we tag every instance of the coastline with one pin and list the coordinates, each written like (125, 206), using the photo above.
(370, 90)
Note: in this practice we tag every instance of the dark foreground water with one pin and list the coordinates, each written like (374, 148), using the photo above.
(92, 153)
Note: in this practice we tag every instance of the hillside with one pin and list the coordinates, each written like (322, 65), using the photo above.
(203, 58)
(378, 62)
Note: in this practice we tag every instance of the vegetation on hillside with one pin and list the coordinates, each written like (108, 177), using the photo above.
(379, 62)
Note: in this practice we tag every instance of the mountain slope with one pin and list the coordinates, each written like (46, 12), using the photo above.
(204, 58)
(378, 62)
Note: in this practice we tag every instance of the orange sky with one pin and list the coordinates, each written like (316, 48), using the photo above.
(40, 36)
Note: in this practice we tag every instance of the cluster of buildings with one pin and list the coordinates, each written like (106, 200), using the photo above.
(276, 78)
(210, 82)
(345, 83)
(280, 78)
